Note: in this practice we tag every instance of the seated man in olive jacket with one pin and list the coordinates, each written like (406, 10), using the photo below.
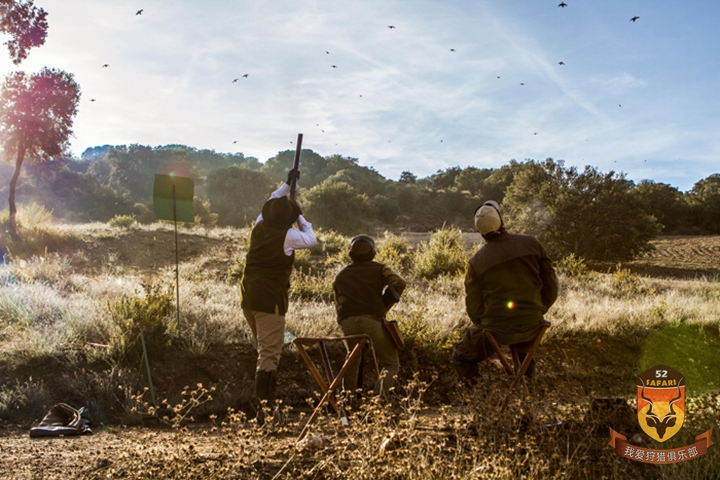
(361, 307)
(510, 284)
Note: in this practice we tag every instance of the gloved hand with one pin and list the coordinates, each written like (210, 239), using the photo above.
(290, 176)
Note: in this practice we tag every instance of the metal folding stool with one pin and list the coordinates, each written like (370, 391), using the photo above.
(333, 381)
(517, 371)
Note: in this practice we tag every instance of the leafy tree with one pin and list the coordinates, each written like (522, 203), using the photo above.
(590, 214)
(706, 193)
(385, 209)
(666, 203)
(407, 177)
(36, 115)
(313, 167)
(472, 179)
(81, 197)
(495, 185)
(26, 24)
(237, 194)
(339, 207)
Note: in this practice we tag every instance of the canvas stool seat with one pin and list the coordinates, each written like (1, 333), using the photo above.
(518, 369)
(331, 381)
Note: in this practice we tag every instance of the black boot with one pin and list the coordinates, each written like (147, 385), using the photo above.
(265, 391)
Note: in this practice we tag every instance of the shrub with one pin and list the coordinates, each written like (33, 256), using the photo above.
(122, 221)
(302, 260)
(443, 254)
(36, 230)
(203, 215)
(150, 313)
(236, 270)
(396, 252)
(306, 286)
(573, 266)
(330, 242)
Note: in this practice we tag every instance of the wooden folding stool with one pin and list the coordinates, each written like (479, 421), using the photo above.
(333, 381)
(517, 371)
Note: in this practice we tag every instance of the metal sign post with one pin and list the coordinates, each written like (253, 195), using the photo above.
(173, 201)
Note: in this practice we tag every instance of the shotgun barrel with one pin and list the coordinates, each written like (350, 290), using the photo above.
(296, 166)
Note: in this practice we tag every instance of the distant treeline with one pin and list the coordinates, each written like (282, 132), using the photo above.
(562, 205)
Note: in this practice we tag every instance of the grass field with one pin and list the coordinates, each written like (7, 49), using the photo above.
(65, 337)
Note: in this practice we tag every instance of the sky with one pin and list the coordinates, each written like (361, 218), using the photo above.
(454, 83)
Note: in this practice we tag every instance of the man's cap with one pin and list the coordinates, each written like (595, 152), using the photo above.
(362, 244)
(487, 217)
(280, 212)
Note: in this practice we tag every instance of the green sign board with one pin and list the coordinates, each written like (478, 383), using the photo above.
(173, 198)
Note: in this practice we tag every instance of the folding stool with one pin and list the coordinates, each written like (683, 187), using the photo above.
(518, 370)
(333, 381)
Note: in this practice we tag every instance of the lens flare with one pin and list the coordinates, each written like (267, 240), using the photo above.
(510, 304)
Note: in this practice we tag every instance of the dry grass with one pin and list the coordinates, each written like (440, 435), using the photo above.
(50, 308)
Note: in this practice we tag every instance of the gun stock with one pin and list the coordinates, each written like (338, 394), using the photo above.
(296, 166)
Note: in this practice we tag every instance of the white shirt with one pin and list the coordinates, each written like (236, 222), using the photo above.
(303, 236)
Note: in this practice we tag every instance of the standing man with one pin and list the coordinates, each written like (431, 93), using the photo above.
(266, 281)
(361, 307)
(510, 284)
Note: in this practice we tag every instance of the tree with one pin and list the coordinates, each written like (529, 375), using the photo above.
(706, 193)
(590, 214)
(237, 194)
(26, 24)
(666, 203)
(339, 207)
(472, 179)
(407, 177)
(36, 116)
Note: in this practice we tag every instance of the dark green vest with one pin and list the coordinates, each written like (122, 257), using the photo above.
(266, 279)
(358, 290)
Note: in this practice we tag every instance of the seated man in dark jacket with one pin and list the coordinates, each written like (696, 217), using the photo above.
(509, 286)
(361, 307)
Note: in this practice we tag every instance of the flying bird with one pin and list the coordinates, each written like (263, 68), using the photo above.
(235, 80)
(633, 19)
(452, 49)
(522, 84)
(562, 5)
(561, 63)
(246, 75)
(333, 66)
(535, 133)
(498, 77)
(234, 142)
(105, 65)
(619, 105)
(391, 26)
(327, 52)
(92, 99)
(139, 12)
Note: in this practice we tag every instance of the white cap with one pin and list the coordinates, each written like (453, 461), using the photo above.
(487, 217)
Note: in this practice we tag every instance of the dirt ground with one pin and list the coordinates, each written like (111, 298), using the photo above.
(113, 450)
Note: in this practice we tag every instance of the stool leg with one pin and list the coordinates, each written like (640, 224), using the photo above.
(329, 393)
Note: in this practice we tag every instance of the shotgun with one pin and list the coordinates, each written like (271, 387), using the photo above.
(296, 166)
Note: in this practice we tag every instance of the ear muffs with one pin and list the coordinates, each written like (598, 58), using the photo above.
(362, 244)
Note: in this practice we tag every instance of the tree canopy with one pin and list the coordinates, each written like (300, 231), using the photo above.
(25, 24)
(36, 116)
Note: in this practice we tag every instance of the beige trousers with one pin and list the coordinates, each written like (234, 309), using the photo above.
(268, 335)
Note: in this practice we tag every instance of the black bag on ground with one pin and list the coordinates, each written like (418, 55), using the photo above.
(63, 421)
